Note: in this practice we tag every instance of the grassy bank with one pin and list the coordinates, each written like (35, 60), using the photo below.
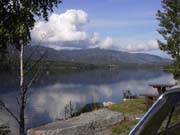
(132, 109)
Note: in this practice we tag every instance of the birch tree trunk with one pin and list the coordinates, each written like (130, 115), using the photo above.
(22, 94)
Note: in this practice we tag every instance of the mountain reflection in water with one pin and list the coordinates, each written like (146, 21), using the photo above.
(48, 97)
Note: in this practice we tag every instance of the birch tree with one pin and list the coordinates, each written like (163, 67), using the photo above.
(17, 19)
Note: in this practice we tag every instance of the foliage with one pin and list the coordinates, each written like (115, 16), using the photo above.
(91, 107)
(17, 19)
(169, 19)
(173, 68)
(4, 130)
(88, 108)
(68, 110)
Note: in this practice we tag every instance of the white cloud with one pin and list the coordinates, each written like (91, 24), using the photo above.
(95, 38)
(95, 42)
(107, 43)
(62, 27)
(128, 46)
(142, 46)
(65, 31)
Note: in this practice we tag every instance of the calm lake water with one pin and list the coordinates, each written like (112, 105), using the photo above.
(48, 97)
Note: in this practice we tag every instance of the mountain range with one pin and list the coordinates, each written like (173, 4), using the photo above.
(95, 56)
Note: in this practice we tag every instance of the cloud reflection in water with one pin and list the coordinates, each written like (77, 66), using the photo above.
(47, 99)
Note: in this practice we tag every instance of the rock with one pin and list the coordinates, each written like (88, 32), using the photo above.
(86, 124)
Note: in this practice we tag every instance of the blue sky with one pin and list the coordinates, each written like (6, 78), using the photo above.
(118, 18)
(124, 25)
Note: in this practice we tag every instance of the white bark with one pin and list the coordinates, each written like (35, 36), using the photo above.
(21, 66)
(22, 94)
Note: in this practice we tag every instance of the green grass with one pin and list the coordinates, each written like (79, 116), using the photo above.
(132, 109)
(124, 127)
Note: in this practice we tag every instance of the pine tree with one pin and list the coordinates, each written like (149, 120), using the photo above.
(169, 18)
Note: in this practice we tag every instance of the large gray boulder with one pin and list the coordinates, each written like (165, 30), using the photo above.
(86, 124)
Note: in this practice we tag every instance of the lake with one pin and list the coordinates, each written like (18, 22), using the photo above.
(47, 98)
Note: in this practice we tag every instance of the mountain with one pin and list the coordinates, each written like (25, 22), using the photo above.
(96, 56)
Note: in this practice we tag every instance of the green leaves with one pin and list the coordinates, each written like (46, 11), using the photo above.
(4, 130)
(169, 23)
(17, 19)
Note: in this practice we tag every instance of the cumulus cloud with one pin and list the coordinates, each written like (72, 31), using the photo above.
(95, 38)
(130, 46)
(62, 27)
(65, 31)
(107, 43)
(142, 46)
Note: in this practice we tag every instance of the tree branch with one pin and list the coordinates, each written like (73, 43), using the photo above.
(31, 82)
(9, 111)
(30, 56)
(36, 62)
(35, 76)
